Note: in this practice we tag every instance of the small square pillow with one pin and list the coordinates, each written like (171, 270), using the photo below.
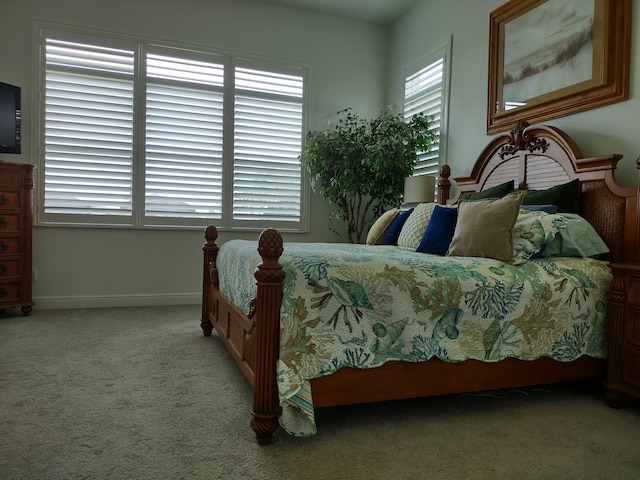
(498, 191)
(380, 227)
(439, 232)
(532, 231)
(485, 228)
(415, 226)
(396, 227)
(566, 197)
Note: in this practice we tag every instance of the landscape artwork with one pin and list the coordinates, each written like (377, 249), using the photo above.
(547, 49)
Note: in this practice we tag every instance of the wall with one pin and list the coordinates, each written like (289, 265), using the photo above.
(610, 129)
(79, 267)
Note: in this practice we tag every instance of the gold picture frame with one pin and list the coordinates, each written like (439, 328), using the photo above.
(551, 58)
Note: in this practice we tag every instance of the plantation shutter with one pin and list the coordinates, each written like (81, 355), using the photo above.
(267, 144)
(88, 128)
(183, 137)
(141, 134)
(424, 94)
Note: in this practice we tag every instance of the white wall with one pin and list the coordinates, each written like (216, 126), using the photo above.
(352, 64)
(96, 267)
(611, 129)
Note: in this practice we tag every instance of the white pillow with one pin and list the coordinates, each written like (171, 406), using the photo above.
(416, 224)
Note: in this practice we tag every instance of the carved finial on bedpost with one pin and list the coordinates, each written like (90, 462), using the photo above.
(270, 278)
(209, 275)
(444, 184)
(522, 140)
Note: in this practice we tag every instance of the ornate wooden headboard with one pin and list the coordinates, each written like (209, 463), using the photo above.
(538, 157)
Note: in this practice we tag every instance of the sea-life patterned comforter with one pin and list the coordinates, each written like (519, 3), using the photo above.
(360, 306)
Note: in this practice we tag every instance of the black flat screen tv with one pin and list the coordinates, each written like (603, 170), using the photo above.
(10, 119)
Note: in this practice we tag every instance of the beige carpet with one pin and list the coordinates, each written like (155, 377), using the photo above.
(139, 393)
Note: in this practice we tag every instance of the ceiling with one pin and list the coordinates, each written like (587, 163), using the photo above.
(382, 12)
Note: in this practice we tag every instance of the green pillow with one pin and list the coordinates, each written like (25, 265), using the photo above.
(498, 191)
(566, 197)
(578, 239)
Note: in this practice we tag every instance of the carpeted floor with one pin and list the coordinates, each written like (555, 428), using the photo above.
(139, 393)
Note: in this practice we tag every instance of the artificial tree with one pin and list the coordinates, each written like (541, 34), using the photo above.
(359, 165)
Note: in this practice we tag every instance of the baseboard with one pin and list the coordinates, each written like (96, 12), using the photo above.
(105, 301)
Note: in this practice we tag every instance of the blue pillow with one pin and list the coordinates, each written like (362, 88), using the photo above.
(548, 208)
(396, 226)
(439, 232)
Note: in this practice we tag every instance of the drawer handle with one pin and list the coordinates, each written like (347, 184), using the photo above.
(3, 269)
(3, 246)
(3, 223)
(3, 292)
(3, 199)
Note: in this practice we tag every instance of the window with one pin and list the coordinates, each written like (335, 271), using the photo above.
(138, 134)
(426, 91)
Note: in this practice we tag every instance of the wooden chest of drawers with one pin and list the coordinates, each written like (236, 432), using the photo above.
(16, 193)
(623, 335)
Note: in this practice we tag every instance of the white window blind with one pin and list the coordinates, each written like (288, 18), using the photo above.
(425, 92)
(147, 135)
(88, 129)
(268, 142)
(184, 138)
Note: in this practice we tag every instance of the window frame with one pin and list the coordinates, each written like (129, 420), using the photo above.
(138, 219)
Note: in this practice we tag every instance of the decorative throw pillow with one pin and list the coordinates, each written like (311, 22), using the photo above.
(485, 228)
(396, 227)
(497, 191)
(378, 230)
(415, 226)
(532, 231)
(439, 232)
(566, 197)
(578, 239)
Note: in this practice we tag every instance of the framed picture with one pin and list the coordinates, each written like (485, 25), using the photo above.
(550, 58)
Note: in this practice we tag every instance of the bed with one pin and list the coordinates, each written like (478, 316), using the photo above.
(253, 295)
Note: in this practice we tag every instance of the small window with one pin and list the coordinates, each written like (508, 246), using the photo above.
(426, 91)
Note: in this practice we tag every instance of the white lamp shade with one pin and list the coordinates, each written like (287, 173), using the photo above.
(419, 189)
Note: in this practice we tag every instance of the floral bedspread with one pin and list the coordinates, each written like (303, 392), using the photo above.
(360, 306)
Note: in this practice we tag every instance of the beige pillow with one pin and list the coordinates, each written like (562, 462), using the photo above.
(378, 230)
(416, 224)
(485, 228)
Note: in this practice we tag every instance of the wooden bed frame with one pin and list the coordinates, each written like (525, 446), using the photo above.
(535, 157)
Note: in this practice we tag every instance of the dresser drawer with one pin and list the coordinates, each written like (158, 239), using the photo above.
(633, 289)
(9, 268)
(632, 324)
(9, 292)
(9, 246)
(631, 366)
(9, 223)
(10, 200)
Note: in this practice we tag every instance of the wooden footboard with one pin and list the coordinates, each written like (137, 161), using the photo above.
(251, 337)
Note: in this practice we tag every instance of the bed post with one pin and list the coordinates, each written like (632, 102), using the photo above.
(270, 277)
(444, 184)
(209, 276)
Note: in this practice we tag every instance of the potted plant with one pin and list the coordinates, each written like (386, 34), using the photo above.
(359, 165)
